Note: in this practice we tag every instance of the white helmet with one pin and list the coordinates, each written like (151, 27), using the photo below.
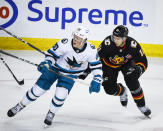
(81, 32)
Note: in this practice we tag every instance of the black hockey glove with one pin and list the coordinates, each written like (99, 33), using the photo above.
(85, 74)
(134, 72)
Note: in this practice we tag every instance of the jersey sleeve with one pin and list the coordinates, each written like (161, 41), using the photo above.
(140, 58)
(95, 63)
(55, 52)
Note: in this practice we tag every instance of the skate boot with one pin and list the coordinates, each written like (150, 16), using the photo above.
(123, 97)
(14, 110)
(145, 110)
(49, 117)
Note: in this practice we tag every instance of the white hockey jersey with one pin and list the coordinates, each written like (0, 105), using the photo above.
(71, 61)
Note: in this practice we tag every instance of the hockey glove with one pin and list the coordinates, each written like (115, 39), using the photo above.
(134, 72)
(85, 74)
(44, 66)
(95, 84)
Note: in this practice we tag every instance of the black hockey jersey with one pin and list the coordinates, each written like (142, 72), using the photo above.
(116, 57)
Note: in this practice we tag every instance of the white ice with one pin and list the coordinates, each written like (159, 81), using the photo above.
(82, 111)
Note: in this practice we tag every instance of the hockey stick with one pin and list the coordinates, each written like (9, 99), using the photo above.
(27, 61)
(76, 80)
(38, 51)
(22, 40)
(19, 82)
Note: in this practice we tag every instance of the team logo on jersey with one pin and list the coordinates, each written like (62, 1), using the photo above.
(117, 60)
(73, 63)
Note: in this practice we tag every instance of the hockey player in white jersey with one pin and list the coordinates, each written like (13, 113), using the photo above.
(69, 57)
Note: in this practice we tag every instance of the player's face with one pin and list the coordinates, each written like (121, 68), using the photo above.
(78, 42)
(118, 41)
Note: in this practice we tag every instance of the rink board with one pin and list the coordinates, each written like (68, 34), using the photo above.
(9, 43)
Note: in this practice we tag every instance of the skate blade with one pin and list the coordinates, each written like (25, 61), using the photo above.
(149, 117)
(144, 117)
(46, 126)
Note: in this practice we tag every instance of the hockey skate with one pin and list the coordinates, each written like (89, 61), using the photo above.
(145, 110)
(14, 110)
(124, 97)
(49, 117)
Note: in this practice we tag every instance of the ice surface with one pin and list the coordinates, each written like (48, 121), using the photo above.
(81, 111)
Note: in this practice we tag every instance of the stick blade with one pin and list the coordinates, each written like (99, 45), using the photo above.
(21, 82)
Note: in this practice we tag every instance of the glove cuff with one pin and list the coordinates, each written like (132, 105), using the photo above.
(98, 78)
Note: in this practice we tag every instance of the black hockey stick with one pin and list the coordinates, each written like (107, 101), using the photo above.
(22, 40)
(19, 82)
(29, 62)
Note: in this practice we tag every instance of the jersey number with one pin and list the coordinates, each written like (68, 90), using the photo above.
(141, 52)
(55, 46)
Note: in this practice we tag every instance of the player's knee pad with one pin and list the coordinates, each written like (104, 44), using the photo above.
(109, 88)
(38, 91)
(132, 84)
(130, 78)
(61, 92)
(60, 96)
(34, 93)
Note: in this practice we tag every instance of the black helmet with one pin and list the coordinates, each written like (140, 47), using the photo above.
(120, 31)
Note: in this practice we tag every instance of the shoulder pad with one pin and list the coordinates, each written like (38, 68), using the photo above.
(134, 44)
(92, 46)
(64, 41)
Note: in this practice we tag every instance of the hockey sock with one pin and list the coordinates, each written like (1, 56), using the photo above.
(138, 96)
(32, 94)
(59, 98)
(120, 89)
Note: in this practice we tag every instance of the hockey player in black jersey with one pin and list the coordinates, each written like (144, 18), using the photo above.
(119, 52)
